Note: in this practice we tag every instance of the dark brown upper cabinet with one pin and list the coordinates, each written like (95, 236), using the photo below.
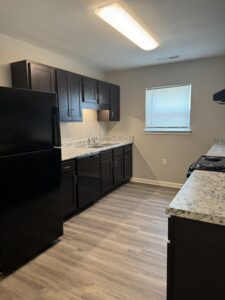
(95, 94)
(74, 91)
(114, 106)
(31, 75)
(69, 91)
(113, 112)
(103, 93)
(90, 91)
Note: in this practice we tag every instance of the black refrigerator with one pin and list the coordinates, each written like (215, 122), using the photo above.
(30, 175)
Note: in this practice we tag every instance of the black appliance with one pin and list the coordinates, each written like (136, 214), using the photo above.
(208, 163)
(219, 97)
(30, 165)
(88, 174)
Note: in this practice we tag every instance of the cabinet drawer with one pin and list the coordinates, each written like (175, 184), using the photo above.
(128, 148)
(118, 151)
(68, 166)
(106, 154)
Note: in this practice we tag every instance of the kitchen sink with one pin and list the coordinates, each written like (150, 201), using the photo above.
(102, 145)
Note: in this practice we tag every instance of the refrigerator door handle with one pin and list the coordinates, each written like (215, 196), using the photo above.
(56, 127)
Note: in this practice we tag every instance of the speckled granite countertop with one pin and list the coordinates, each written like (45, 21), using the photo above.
(202, 197)
(217, 150)
(79, 149)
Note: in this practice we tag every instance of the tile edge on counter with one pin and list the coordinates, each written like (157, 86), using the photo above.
(196, 216)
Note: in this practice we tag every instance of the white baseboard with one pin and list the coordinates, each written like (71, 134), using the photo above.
(157, 182)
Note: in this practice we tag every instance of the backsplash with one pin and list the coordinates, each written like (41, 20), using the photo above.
(101, 139)
(79, 130)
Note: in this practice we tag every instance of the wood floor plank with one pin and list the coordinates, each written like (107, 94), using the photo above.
(115, 250)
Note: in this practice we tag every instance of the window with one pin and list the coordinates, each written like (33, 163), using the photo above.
(168, 109)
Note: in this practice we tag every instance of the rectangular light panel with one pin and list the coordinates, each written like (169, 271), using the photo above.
(118, 17)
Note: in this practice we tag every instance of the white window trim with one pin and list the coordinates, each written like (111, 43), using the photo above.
(168, 130)
(185, 132)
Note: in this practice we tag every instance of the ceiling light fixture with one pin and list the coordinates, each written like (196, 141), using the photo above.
(118, 17)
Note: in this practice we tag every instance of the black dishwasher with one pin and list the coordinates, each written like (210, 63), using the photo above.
(88, 173)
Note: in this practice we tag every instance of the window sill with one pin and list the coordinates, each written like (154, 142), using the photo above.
(167, 131)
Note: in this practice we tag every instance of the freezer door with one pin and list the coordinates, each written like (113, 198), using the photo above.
(28, 121)
(30, 206)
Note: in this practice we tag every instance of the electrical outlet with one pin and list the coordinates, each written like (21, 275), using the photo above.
(164, 162)
(219, 140)
(216, 140)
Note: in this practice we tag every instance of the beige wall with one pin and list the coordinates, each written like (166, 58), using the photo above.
(207, 118)
(12, 50)
(90, 125)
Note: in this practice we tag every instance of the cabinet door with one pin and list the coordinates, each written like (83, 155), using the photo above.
(75, 95)
(103, 92)
(196, 266)
(128, 162)
(19, 75)
(69, 95)
(42, 78)
(106, 175)
(89, 183)
(127, 165)
(114, 102)
(68, 193)
(63, 95)
(118, 170)
(90, 94)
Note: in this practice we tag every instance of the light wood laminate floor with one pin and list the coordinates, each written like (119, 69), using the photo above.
(114, 250)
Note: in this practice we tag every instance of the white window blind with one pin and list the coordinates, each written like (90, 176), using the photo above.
(168, 108)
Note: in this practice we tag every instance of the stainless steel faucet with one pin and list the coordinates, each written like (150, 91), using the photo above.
(92, 140)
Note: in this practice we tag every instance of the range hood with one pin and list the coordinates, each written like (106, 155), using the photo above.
(219, 97)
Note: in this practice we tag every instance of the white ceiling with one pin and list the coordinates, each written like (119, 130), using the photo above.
(188, 28)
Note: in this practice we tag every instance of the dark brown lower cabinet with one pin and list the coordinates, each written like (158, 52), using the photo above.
(196, 260)
(106, 171)
(69, 188)
(128, 162)
(88, 178)
(118, 166)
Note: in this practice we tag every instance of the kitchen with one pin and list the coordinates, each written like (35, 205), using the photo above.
(114, 242)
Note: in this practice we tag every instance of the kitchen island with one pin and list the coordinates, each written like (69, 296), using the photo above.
(196, 246)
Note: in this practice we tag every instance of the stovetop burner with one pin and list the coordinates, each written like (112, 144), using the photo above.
(213, 163)
(208, 163)
(212, 158)
(210, 166)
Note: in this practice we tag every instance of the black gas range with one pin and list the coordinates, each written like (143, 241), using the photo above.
(208, 163)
